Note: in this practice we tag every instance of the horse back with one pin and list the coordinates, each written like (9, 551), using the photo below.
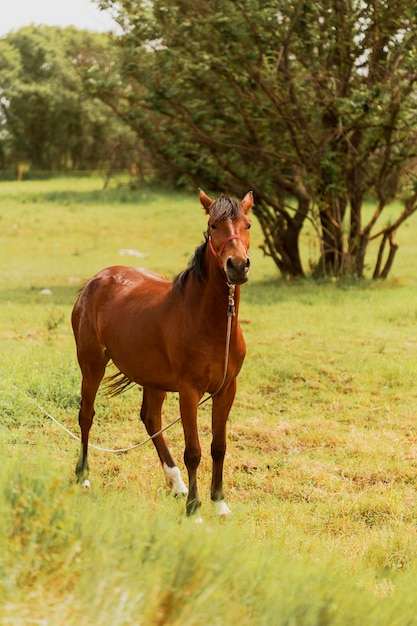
(115, 291)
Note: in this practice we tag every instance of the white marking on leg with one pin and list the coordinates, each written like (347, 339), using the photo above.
(221, 508)
(86, 484)
(174, 480)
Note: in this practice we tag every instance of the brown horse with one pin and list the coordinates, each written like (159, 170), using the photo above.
(171, 336)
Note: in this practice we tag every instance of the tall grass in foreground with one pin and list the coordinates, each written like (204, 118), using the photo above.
(82, 558)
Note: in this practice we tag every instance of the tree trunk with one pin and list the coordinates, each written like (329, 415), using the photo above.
(358, 240)
(333, 258)
(331, 261)
(393, 247)
(281, 240)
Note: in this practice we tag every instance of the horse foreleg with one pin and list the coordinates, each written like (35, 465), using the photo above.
(151, 416)
(192, 451)
(222, 403)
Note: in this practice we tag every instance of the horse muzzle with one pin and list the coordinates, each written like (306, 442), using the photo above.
(237, 270)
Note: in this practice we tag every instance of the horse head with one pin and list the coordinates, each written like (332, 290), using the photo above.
(228, 234)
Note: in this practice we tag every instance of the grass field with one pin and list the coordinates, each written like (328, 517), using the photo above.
(321, 468)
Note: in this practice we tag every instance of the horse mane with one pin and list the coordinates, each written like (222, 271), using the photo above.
(195, 266)
(225, 208)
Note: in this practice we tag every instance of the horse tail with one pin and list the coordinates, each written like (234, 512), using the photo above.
(117, 383)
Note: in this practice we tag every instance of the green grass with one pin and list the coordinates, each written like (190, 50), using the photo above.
(321, 469)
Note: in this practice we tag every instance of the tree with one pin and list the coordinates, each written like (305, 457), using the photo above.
(10, 64)
(309, 103)
(47, 117)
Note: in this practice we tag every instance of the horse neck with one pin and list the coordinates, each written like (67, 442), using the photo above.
(215, 289)
(208, 298)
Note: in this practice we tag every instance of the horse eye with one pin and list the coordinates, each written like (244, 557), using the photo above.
(249, 226)
(213, 226)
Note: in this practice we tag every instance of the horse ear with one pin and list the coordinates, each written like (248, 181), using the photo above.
(247, 202)
(205, 201)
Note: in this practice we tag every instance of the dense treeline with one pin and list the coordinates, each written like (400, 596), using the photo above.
(48, 120)
(310, 104)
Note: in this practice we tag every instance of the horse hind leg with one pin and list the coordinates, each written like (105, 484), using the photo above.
(151, 417)
(92, 377)
(92, 359)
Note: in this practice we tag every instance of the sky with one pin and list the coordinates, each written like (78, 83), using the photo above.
(82, 14)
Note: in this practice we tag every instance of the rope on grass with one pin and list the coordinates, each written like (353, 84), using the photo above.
(91, 445)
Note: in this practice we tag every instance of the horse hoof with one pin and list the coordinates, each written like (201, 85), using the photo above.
(221, 508)
(179, 490)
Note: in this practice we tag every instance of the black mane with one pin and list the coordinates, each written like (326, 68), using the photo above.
(195, 265)
(225, 208)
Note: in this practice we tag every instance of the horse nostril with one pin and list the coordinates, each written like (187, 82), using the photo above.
(233, 264)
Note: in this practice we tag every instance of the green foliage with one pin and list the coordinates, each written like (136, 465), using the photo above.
(38, 511)
(48, 120)
(313, 101)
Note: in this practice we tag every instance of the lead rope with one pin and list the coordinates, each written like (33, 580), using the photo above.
(231, 312)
